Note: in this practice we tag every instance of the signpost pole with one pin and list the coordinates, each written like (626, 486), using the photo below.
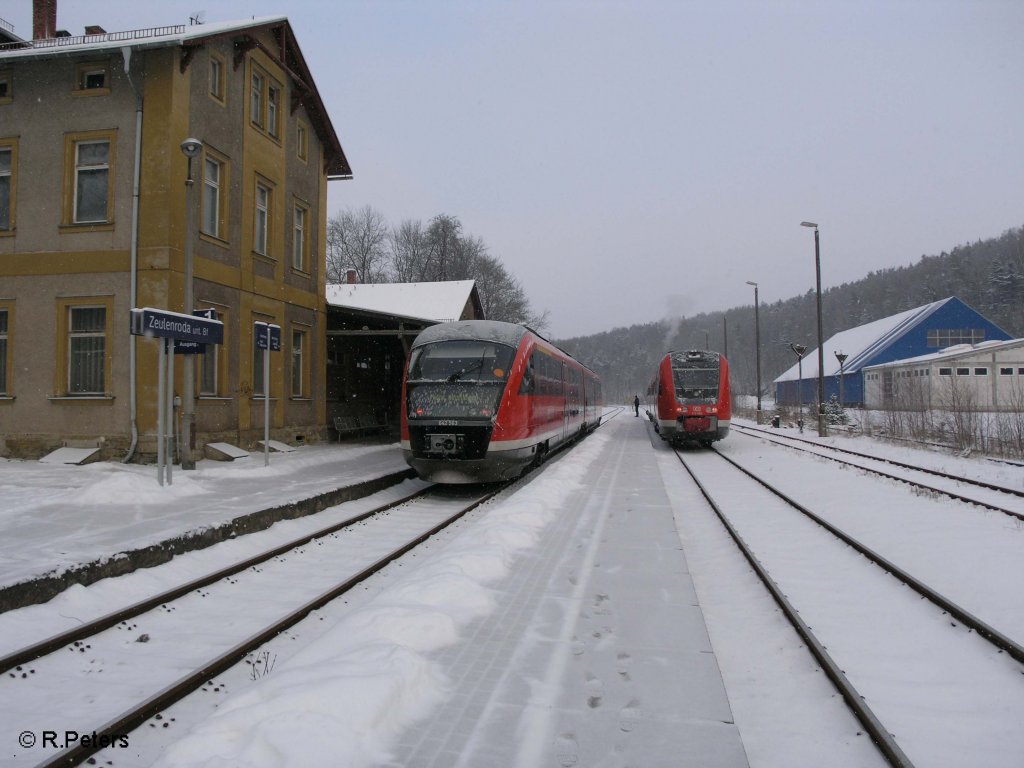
(170, 327)
(161, 383)
(266, 401)
(169, 453)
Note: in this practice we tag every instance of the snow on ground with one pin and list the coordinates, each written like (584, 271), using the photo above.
(377, 671)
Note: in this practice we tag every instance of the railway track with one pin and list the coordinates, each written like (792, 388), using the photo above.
(998, 498)
(766, 524)
(233, 612)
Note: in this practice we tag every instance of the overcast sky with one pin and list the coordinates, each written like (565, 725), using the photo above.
(635, 160)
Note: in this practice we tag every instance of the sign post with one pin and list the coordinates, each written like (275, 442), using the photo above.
(268, 338)
(170, 327)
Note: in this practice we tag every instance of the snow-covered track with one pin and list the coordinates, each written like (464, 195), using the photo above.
(87, 629)
(767, 535)
(226, 632)
(831, 452)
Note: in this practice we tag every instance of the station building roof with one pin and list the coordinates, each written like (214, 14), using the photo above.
(434, 302)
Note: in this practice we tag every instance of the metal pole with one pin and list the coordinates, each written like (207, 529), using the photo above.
(822, 429)
(266, 401)
(169, 453)
(161, 410)
(188, 418)
(800, 375)
(757, 345)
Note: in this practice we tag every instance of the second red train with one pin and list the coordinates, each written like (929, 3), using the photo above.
(689, 399)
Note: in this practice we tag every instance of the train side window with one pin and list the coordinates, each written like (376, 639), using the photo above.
(527, 386)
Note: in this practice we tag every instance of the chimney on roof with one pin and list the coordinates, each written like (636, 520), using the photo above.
(44, 19)
(351, 278)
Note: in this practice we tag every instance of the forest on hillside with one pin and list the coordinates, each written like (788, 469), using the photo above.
(988, 275)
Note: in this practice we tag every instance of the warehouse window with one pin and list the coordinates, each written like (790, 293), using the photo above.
(940, 338)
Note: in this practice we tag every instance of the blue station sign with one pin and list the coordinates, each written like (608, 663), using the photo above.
(159, 323)
(267, 335)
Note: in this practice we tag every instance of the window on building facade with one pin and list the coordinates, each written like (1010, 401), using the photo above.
(298, 376)
(265, 100)
(209, 368)
(6, 187)
(91, 183)
(87, 327)
(256, 100)
(92, 78)
(301, 142)
(262, 219)
(299, 238)
(963, 371)
(5, 385)
(217, 89)
(6, 88)
(945, 371)
(981, 371)
(1006, 371)
(213, 172)
(273, 102)
(948, 337)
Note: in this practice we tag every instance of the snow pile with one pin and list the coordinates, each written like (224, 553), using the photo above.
(345, 698)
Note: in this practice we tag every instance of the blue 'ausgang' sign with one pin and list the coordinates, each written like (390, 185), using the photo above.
(173, 325)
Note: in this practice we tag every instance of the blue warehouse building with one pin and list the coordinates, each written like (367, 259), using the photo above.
(915, 332)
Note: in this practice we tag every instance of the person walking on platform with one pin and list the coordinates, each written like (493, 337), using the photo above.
(636, 404)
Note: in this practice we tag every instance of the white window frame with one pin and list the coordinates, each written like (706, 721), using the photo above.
(261, 224)
(81, 167)
(72, 335)
(299, 238)
(212, 192)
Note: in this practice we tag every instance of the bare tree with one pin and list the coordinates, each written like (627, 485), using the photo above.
(410, 252)
(357, 240)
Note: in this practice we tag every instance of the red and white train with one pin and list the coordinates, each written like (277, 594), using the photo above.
(689, 400)
(482, 400)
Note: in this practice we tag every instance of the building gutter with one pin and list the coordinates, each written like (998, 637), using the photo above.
(126, 53)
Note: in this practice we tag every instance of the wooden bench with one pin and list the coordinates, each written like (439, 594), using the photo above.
(363, 423)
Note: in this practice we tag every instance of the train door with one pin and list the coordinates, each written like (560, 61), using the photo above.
(566, 406)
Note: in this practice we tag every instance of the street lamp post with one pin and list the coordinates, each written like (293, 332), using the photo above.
(841, 357)
(798, 350)
(822, 431)
(191, 149)
(757, 347)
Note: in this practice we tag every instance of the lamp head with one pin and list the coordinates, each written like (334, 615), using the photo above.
(751, 282)
(808, 224)
(191, 148)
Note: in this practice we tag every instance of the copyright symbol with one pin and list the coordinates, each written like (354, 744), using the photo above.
(27, 739)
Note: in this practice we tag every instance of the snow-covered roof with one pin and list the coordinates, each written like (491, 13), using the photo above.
(859, 343)
(436, 302)
(954, 352)
(152, 37)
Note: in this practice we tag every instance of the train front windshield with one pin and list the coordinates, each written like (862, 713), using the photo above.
(457, 379)
(696, 380)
